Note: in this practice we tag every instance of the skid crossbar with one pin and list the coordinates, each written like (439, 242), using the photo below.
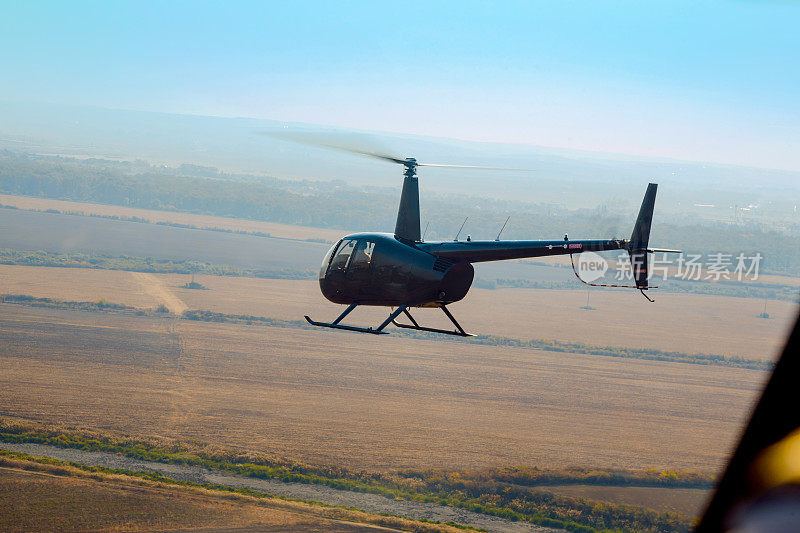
(414, 325)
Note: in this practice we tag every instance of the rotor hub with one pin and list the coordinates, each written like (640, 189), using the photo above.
(411, 167)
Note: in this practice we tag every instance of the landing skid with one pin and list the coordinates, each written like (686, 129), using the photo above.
(380, 329)
(460, 331)
(335, 324)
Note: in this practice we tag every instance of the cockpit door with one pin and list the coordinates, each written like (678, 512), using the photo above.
(359, 270)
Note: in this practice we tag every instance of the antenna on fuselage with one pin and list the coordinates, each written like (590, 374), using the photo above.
(427, 225)
(504, 227)
(459, 229)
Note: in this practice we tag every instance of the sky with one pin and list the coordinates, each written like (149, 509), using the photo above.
(700, 81)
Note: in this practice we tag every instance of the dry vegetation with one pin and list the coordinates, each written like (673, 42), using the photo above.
(688, 502)
(488, 492)
(707, 324)
(366, 402)
(379, 404)
(39, 497)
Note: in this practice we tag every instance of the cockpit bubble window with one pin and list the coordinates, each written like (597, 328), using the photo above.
(343, 254)
(328, 256)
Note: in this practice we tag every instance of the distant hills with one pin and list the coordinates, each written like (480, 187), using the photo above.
(562, 178)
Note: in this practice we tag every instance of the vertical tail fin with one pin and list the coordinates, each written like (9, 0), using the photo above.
(640, 238)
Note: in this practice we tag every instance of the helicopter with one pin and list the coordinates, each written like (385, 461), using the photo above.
(402, 271)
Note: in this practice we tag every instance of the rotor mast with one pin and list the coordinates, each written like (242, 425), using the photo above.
(408, 226)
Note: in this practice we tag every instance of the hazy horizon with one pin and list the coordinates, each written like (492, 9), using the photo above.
(552, 149)
(681, 81)
(566, 177)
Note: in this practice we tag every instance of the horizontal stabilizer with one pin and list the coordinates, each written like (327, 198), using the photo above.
(663, 251)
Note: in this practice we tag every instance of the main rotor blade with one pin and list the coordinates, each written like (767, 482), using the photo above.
(330, 141)
(361, 144)
(475, 167)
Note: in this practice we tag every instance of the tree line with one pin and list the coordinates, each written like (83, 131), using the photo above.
(330, 204)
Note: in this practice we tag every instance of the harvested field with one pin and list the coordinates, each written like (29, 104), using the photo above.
(201, 221)
(689, 502)
(691, 323)
(363, 401)
(707, 324)
(32, 500)
(155, 288)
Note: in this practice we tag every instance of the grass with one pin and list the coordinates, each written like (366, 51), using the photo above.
(488, 492)
(55, 303)
(51, 494)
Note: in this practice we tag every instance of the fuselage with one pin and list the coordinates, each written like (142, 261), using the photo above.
(381, 269)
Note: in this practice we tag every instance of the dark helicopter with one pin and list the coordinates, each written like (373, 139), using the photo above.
(402, 271)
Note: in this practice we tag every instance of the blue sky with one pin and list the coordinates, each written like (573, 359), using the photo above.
(707, 81)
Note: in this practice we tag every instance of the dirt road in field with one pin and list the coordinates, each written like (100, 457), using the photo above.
(155, 287)
(371, 503)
